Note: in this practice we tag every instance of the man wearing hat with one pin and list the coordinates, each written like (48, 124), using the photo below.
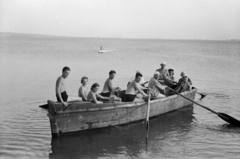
(163, 73)
(184, 85)
(183, 74)
(157, 90)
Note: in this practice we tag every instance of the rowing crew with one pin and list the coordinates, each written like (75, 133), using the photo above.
(156, 87)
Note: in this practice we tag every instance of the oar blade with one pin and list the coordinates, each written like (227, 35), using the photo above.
(45, 106)
(202, 95)
(229, 119)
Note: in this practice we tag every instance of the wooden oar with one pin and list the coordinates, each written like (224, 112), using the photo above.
(224, 116)
(147, 118)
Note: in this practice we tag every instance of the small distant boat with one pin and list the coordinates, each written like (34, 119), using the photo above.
(102, 51)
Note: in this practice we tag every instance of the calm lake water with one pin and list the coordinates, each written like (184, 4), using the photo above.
(30, 65)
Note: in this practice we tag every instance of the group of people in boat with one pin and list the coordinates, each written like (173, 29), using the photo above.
(162, 79)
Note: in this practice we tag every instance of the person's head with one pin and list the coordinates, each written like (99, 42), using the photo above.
(163, 64)
(156, 75)
(182, 74)
(171, 71)
(65, 72)
(95, 87)
(185, 78)
(84, 80)
(138, 77)
(112, 74)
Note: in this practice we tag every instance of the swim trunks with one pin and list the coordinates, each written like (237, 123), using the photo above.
(107, 94)
(64, 97)
(130, 97)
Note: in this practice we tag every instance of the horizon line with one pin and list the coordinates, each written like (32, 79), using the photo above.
(51, 35)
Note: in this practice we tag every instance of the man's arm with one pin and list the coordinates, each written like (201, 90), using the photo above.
(94, 98)
(139, 89)
(59, 82)
(159, 86)
(189, 80)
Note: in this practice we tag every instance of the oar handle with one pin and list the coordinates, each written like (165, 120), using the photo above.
(193, 101)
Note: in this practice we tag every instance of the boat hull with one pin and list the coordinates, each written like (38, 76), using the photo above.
(81, 116)
(102, 51)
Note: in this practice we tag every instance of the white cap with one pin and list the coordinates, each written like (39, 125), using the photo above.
(163, 63)
(156, 73)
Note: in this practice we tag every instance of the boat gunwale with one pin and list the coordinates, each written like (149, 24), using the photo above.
(109, 106)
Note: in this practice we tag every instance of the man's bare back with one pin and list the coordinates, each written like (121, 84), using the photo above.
(60, 84)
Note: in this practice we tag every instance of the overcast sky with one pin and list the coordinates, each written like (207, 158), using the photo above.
(167, 19)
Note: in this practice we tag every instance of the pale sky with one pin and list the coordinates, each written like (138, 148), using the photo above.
(163, 19)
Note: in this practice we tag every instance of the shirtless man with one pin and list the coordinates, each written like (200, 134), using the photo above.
(163, 73)
(61, 93)
(108, 88)
(142, 82)
(133, 88)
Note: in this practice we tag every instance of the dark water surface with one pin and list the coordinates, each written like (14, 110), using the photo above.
(31, 64)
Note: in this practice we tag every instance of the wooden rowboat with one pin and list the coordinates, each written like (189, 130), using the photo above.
(81, 116)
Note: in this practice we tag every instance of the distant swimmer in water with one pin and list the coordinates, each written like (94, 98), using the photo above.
(83, 90)
(61, 93)
(133, 88)
(93, 95)
(108, 87)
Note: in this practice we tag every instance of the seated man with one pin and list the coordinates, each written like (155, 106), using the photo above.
(163, 73)
(184, 85)
(93, 95)
(133, 88)
(182, 79)
(155, 87)
(108, 88)
(170, 82)
(142, 82)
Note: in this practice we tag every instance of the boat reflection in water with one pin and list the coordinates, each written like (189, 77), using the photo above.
(124, 141)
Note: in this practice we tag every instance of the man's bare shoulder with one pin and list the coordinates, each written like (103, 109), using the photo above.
(59, 79)
(135, 84)
(108, 81)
